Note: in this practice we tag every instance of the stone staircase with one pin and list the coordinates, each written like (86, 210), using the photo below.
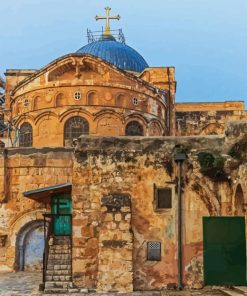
(59, 272)
(235, 291)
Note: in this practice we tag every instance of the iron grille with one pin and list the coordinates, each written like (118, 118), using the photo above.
(75, 127)
(154, 251)
(134, 128)
(26, 135)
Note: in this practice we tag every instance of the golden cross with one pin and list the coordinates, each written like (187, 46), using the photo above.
(107, 18)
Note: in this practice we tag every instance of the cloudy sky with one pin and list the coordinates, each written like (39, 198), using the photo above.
(206, 40)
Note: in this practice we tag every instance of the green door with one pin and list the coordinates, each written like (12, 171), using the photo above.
(224, 250)
(61, 205)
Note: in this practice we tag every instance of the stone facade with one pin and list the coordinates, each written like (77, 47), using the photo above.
(114, 204)
(121, 239)
(106, 97)
(23, 170)
(207, 118)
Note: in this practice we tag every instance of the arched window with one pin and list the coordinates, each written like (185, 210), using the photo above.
(134, 128)
(26, 135)
(75, 127)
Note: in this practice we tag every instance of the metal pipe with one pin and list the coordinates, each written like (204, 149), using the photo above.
(180, 267)
(5, 181)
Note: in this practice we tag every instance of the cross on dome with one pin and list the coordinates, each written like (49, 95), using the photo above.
(107, 18)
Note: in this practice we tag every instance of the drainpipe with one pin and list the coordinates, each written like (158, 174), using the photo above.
(5, 172)
(179, 158)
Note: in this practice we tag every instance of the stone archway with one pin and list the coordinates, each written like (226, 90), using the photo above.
(239, 201)
(30, 246)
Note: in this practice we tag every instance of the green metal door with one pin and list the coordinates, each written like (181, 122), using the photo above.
(224, 250)
(62, 206)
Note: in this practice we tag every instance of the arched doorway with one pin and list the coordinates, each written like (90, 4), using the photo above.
(239, 201)
(30, 246)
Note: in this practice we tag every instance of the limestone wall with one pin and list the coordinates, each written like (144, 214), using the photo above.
(22, 170)
(132, 166)
(114, 203)
(205, 122)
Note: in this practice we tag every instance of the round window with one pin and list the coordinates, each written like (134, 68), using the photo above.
(135, 101)
(77, 95)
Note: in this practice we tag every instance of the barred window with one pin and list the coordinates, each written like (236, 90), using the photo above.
(75, 127)
(134, 128)
(26, 135)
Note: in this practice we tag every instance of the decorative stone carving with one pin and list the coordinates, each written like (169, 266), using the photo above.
(3, 239)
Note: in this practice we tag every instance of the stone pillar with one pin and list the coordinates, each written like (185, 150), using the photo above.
(115, 272)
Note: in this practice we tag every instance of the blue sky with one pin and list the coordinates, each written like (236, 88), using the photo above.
(206, 40)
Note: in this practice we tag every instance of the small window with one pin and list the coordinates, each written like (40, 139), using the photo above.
(163, 198)
(154, 251)
(25, 102)
(135, 101)
(77, 95)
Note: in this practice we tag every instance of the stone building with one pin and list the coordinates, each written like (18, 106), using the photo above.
(133, 188)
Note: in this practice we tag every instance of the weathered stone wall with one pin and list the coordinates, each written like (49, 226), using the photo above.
(114, 205)
(132, 166)
(206, 122)
(115, 245)
(22, 170)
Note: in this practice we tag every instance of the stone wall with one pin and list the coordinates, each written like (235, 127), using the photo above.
(22, 170)
(211, 122)
(132, 166)
(114, 203)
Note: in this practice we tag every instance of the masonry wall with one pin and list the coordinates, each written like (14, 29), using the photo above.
(114, 206)
(132, 166)
(22, 170)
(212, 122)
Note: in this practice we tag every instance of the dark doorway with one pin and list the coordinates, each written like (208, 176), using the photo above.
(224, 250)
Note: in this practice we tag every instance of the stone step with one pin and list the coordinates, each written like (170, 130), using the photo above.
(59, 257)
(241, 289)
(58, 266)
(230, 292)
(60, 247)
(59, 261)
(58, 272)
(56, 291)
(58, 278)
(61, 241)
(60, 251)
(58, 285)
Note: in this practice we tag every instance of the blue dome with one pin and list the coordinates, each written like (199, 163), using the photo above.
(116, 53)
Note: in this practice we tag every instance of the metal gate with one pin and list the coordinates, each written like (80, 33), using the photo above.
(224, 250)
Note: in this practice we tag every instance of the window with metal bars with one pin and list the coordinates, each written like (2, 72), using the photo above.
(75, 127)
(134, 128)
(26, 135)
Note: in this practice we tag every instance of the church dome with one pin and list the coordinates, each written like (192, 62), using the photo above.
(116, 53)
